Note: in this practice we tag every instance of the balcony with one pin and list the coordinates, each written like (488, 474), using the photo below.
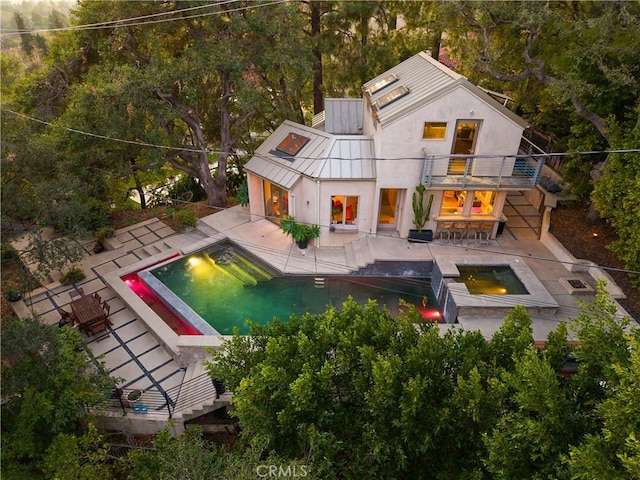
(507, 172)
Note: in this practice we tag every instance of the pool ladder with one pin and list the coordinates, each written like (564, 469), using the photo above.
(318, 282)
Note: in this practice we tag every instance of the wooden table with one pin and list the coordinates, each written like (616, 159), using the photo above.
(88, 312)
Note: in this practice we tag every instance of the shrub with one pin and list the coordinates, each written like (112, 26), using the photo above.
(74, 275)
(185, 217)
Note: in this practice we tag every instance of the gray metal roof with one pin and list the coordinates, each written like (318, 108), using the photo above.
(323, 157)
(426, 79)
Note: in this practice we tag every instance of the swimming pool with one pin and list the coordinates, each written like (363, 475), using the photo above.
(224, 286)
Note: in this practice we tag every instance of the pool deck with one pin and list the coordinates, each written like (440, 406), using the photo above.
(138, 356)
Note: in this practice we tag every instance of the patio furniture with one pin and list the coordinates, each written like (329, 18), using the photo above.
(459, 231)
(446, 229)
(483, 233)
(97, 297)
(106, 308)
(89, 313)
(76, 292)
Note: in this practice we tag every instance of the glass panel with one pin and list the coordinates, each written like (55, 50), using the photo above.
(434, 130)
(388, 204)
(483, 203)
(463, 143)
(453, 202)
(276, 202)
(379, 85)
(292, 144)
(391, 97)
(344, 210)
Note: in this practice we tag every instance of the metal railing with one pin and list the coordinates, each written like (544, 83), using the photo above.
(198, 392)
(485, 171)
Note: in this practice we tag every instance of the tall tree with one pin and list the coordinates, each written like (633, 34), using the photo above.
(46, 382)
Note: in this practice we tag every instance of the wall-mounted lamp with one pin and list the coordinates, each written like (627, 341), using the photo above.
(471, 113)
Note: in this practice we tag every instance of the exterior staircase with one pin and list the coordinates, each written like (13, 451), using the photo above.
(359, 253)
(197, 394)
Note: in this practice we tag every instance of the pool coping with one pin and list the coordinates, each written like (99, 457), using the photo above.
(538, 300)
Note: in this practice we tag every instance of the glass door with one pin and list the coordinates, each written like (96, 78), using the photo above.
(276, 202)
(388, 210)
(463, 143)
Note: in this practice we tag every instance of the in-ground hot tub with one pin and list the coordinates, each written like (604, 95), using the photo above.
(487, 285)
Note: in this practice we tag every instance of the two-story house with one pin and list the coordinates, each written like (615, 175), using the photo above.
(353, 172)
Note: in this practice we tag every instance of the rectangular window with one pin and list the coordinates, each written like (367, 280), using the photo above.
(292, 144)
(276, 202)
(453, 202)
(344, 210)
(379, 85)
(388, 98)
(434, 130)
(483, 202)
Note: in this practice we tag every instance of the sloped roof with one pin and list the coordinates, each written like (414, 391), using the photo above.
(426, 79)
(324, 156)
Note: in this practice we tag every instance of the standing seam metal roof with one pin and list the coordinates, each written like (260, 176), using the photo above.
(323, 157)
(427, 79)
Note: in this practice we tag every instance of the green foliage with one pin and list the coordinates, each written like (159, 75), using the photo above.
(191, 456)
(187, 188)
(78, 456)
(185, 217)
(46, 383)
(72, 276)
(420, 212)
(423, 404)
(243, 194)
(616, 196)
(299, 231)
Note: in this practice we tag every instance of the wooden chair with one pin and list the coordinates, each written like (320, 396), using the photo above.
(97, 297)
(77, 292)
(446, 229)
(107, 310)
(459, 231)
(483, 234)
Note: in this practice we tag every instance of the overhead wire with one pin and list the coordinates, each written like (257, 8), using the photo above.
(119, 23)
(318, 158)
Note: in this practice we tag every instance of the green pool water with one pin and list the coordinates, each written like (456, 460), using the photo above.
(225, 288)
(491, 280)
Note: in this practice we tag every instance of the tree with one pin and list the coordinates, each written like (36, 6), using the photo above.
(414, 401)
(203, 84)
(46, 383)
(191, 456)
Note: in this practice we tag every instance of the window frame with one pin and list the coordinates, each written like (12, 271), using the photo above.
(431, 126)
(292, 144)
(348, 203)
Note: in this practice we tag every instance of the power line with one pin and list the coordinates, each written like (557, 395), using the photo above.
(421, 158)
(465, 247)
(119, 24)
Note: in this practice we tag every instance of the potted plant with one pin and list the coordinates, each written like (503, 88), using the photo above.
(420, 216)
(134, 395)
(300, 233)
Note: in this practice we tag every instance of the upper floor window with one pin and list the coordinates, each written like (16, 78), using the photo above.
(434, 130)
(292, 144)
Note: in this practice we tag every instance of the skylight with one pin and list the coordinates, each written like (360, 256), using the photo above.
(380, 84)
(391, 97)
(292, 144)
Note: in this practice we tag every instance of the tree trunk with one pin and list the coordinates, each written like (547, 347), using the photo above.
(139, 188)
(318, 97)
(225, 140)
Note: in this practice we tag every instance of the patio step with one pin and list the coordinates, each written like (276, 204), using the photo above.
(359, 253)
